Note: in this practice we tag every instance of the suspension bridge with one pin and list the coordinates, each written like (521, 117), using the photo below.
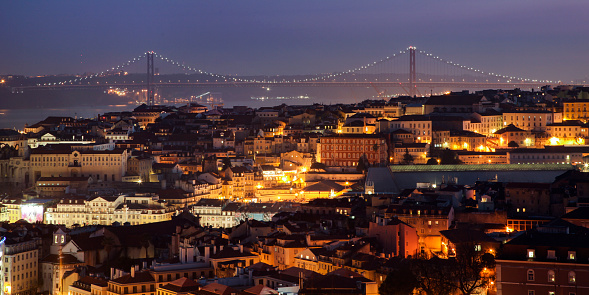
(410, 69)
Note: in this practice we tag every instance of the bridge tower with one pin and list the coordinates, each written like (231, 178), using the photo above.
(150, 79)
(412, 73)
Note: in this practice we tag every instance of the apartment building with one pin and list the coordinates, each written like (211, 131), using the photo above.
(101, 165)
(19, 264)
(531, 120)
(344, 150)
(576, 110)
(103, 210)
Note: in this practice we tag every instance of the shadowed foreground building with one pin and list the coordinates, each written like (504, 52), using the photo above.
(552, 259)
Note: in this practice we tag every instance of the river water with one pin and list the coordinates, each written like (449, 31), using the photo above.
(17, 118)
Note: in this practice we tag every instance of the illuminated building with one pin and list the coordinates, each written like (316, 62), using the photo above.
(512, 137)
(56, 264)
(567, 133)
(393, 110)
(358, 127)
(396, 237)
(427, 220)
(210, 213)
(419, 126)
(88, 286)
(345, 150)
(180, 286)
(107, 210)
(101, 165)
(531, 120)
(418, 152)
(19, 264)
(139, 166)
(452, 103)
(4, 216)
(484, 123)
(576, 110)
(146, 115)
(477, 157)
(549, 155)
(136, 282)
(459, 140)
(59, 186)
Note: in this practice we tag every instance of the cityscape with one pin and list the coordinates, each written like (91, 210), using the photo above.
(287, 162)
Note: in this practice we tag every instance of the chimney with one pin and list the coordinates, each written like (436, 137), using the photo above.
(240, 248)
(144, 264)
(133, 271)
(220, 248)
(112, 273)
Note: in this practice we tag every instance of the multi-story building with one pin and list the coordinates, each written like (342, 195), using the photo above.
(101, 165)
(210, 212)
(134, 209)
(417, 151)
(136, 282)
(511, 137)
(396, 237)
(19, 264)
(549, 155)
(531, 120)
(89, 286)
(427, 220)
(576, 110)
(477, 158)
(345, 150)
(551, 259)
(568, 132)
(528, 199)
(140, 166)
(55, 265)
(419, 126)
(484, 123)
(459, 140)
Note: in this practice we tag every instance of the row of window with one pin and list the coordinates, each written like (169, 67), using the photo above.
(572, 277)
(23, 256)
(551, 254)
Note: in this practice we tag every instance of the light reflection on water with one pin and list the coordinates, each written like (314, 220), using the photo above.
(17, 118)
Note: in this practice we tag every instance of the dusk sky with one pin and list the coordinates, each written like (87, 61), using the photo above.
(540, 39)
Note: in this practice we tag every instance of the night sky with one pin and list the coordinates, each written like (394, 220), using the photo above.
(540, 39)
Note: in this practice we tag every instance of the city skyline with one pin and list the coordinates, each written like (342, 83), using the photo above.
(539, 41)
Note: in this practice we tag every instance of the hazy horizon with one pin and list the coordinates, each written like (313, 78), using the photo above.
(540, 39)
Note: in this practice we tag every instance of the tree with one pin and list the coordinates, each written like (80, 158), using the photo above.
(432, 161)
(363, 164)
(513, 144)
(226, 163)
(433, 275)
(145, 241)
(407, 157)
(472, 269)
(449, 157)
(400, 281)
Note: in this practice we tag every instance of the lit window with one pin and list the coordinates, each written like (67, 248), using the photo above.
(531, 253)
(551, 277)
(572, 255)
(572, 277)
